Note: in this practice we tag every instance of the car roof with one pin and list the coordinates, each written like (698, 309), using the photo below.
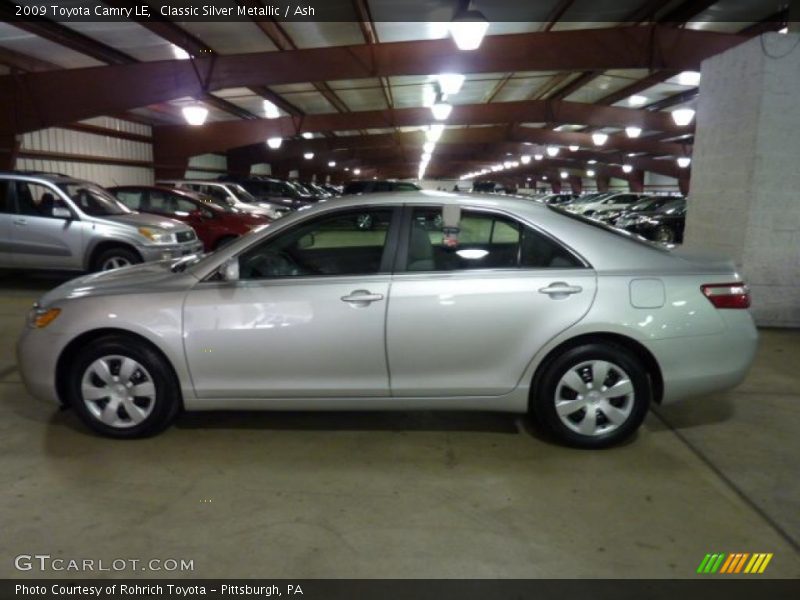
(41, 175)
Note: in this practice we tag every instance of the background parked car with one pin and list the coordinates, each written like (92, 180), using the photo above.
(558, 199)
(369, 186)
(276, 192)
(226, 193)
(608, 202)
(664, 225)
(646, 204)
(50, 221)
(215, 225)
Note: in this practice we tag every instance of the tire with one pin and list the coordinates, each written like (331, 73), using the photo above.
(120, 366)
(568, 380)
(224, 241)
(664, 234)
(119, 255)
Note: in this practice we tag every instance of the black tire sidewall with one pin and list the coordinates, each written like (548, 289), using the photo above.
(126, 253)
(167, 400)
(543, 398)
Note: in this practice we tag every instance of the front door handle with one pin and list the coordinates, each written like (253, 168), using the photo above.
(20, 222)
(362, 297)
(559, 289)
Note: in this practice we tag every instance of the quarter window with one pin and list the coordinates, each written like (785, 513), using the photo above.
(481, 241)
(347, 243)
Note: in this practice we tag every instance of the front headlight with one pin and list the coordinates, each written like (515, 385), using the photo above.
(39, 317)
(158, 236)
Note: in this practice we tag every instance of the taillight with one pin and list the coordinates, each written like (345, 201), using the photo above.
(727, 295)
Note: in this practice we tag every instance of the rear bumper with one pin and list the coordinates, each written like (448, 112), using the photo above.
(706, 364)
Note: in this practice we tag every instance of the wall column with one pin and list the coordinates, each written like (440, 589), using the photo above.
(9, 148)
(745, 178)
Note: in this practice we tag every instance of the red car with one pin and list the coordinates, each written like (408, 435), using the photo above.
(215, 225)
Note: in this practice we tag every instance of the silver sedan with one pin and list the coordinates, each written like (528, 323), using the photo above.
(457, 302)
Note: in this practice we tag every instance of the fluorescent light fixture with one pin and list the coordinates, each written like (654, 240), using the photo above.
(590, 173)
(356, 171)
(544, 177)
(195, 115)
(331, 163)
(441, 110)
(507, 164)
(784, 30)
(538, 156)
(450, 83)
(627, 168)
(564, 174)
(514, 164)
(274, 142)
(179, 53)
(633, 132)
(434, 132)
(691, 78)
(684, 161)
(592, 161)
(308, 155)
(307, 135)
(426, 156)
(468, 28)
(574, 148)
(599, 138)
(682, 116)
(428, 95)
(552, 151)
(637, 100)
(347, 168)
(494, 168)
(525, 159)
(270, 110)
(428, 147)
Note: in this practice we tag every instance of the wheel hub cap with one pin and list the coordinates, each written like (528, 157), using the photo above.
(118, 391)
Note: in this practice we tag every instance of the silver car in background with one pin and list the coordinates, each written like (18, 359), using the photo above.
(447, 302)
(51, 221)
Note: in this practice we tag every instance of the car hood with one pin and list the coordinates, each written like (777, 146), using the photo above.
(145, 277)
(147, 220)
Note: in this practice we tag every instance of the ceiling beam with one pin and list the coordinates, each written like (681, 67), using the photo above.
(67, 96)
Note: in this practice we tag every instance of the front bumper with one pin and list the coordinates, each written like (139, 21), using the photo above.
(155, 253)
(37, 354)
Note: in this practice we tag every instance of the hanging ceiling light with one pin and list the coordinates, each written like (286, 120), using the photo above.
(434, 132)
(599, 138)
(691, 78)
(592, 161)
(564, 174)
(195, 114)
(507, 164)
(179, 53)
(426, 157)
(637, 100)
(590, 173)
(538, 156)
(270, 110)
(356, 171)
(307, 135)
(544, 177)
(574, 148)
(274, 142)
(331, 163)
(450, 83)
(684, 161)
(633, 132)
(514, 164)
(682, 116)
(441, 109)
(428, 147)
(468, 28)
(308, 155)
(627, 168)
(525, 159)
(552, 151)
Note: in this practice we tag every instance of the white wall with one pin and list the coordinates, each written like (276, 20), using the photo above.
(261, 169)
(217, 162)
(56, 140)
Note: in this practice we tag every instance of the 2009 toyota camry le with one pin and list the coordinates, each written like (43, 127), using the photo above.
(399, 301)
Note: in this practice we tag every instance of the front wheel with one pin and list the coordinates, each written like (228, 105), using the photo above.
(116, 258)
(592, 396)
(122, 388)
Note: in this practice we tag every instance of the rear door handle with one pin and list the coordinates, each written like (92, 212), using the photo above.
(559, 288)
(362, 297)
(20, 221)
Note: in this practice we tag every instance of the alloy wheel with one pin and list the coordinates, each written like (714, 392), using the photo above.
(118, 391)
(115, 262)
(594, 397)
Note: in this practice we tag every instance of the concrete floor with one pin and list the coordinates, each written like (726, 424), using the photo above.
(405, 494)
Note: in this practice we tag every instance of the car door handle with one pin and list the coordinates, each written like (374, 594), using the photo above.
(362, 297)
(559, 288)
(20, 222)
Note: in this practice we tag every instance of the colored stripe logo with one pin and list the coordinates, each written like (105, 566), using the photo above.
(735, 563)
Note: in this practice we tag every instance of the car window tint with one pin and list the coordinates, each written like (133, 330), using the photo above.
(161, 202)
(5, 197)
(483, 241)
(130, 198)
(37, 200)
(183, 205)
(347, 243)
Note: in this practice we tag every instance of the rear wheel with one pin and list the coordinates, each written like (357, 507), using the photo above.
(122, 388)
(115, 258)
(592, 396)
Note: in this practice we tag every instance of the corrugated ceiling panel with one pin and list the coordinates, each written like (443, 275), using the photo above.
(310, 102)
(32, 45)
(230, 37)
(364, 99)
(105, 175)
(125, 36)
(321, 34)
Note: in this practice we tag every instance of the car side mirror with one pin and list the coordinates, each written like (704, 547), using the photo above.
(59, 212)
(229, 271)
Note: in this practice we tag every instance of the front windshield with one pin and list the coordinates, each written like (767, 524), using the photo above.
(242, 194)
(301, 191)
(94, 200)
